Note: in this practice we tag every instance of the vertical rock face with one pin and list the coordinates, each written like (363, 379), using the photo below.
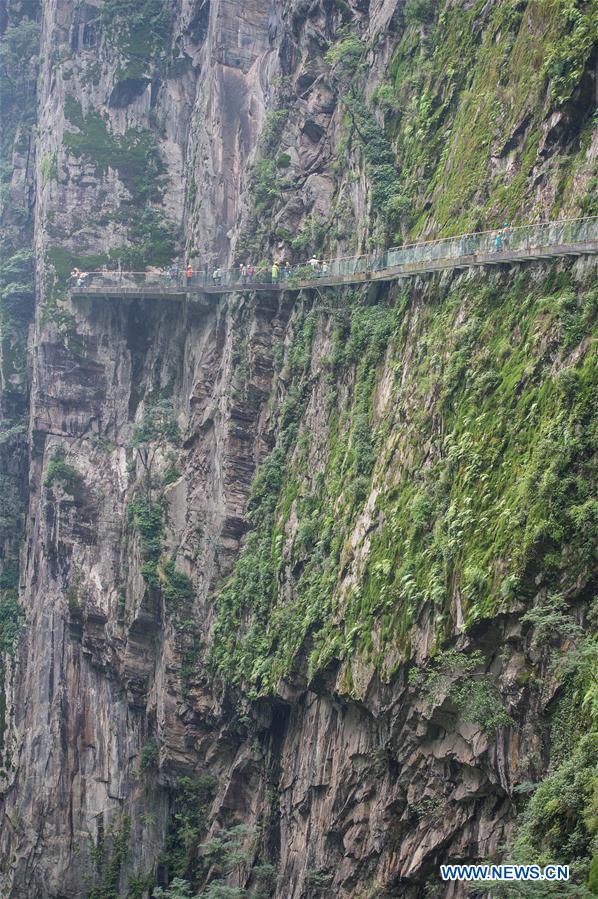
(279, 550)
(100, 677)
(235, 63)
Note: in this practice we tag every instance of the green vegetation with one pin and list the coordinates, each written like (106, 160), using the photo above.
(346, 57)
(265, 185)
(138, 886)
(135, 155)
(74, 599)
(567, 59)
(63, 262)
(272, 129)
(560, 821)
(501, 68)
(387, 200)
(503, 492)
(454, 676)
(154, 433)
(11, 620)
(560, 825)
(11, 613)
(177, 588)
(108, 853)
(59, 471)
(19, 45)
(454, 136)
(153, 241)
(17, 298)
(141, 30)
(419, 12)
(191, 801)
(227, 855)
(266, 181)
(148, 757)
(48, 168)
(146, 519)
(310, 238)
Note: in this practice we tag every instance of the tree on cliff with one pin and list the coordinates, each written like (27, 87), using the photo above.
(153, 433)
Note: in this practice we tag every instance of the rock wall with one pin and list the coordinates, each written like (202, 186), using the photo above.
(205, 649)
(99, 680)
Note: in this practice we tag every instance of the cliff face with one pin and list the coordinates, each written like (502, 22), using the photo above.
(307, 579)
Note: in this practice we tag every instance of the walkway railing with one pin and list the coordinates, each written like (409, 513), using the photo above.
(570, 235)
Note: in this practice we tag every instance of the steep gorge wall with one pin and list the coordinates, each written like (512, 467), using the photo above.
(353, 775)
(151, 707)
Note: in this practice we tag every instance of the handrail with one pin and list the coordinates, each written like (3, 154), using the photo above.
(495, 243)
(417, 243)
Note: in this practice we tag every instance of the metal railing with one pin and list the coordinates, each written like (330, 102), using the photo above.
(465, 249)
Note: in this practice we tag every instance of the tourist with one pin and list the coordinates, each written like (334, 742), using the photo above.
(497, 242)
(217, 276)
(250, 272)
(243, 272)
(275, 272)
(189, 274)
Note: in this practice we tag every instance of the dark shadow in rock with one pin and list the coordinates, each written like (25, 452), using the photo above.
(126, 91)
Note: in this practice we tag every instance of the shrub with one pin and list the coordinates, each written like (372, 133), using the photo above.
(153, 241)
(551, 620)
(558, 824)
(157, 429)
(566, 61)
(141, 28)
(266, 185)
(176, 586)
(419, 12)
(108, 853)
(191, 800)
(272, 129)
(171, 475)
(178, 889)
(59, 470)
(135, 155)
(148, 757)
(455, 676)
(346, 57)
(11, 618)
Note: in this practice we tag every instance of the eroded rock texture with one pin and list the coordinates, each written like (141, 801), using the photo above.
(421, 438)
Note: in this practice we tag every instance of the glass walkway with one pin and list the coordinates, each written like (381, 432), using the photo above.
(568, 237)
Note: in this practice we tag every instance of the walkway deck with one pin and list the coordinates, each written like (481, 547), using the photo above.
(575, 237)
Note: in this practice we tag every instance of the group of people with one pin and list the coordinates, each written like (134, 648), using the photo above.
(174, 273)
(246, 272)
(78, 278)
(280, 271)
